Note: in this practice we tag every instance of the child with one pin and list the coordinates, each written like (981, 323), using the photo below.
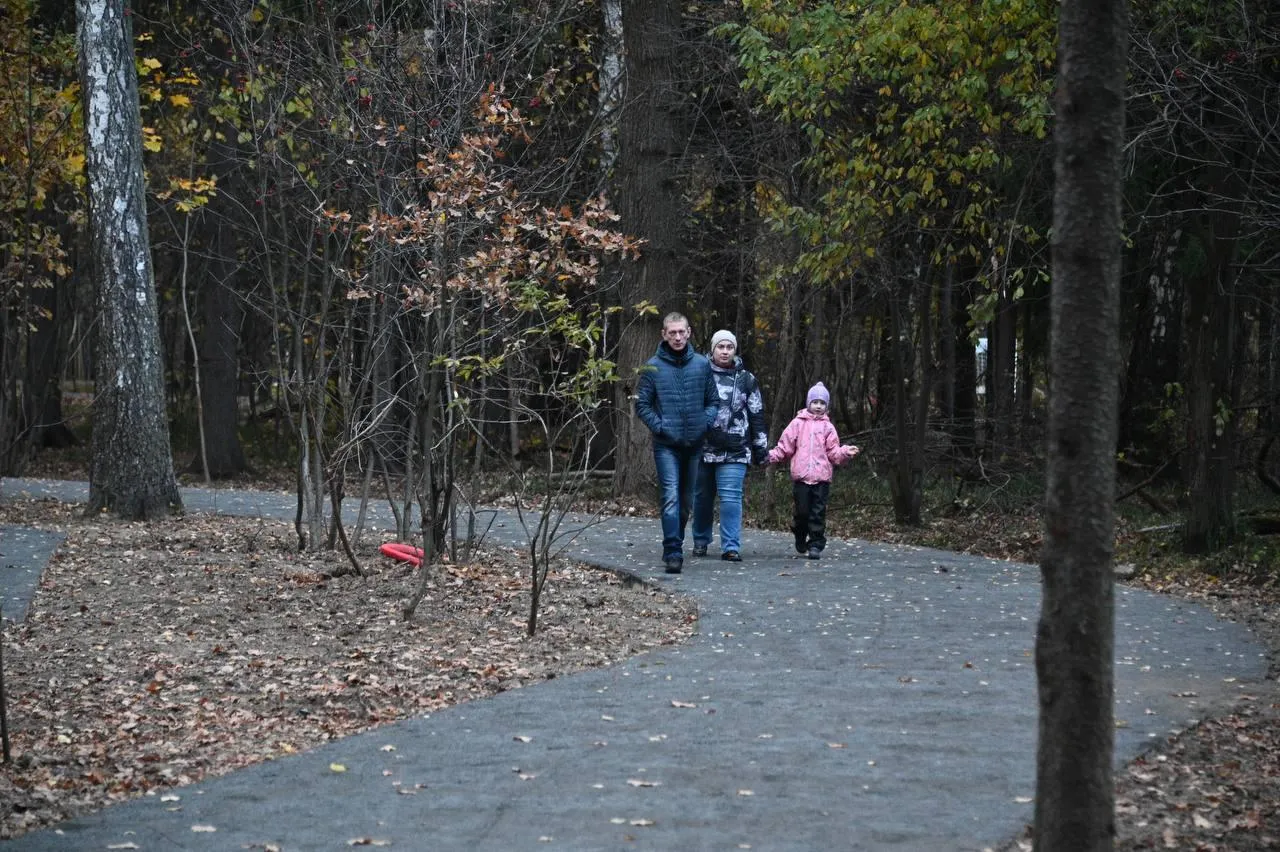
(811, 442)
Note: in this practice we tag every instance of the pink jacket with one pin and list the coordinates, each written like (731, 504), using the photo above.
(811, 442)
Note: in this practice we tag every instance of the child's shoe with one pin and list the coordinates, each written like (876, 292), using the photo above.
(815, 553)
(802, 542)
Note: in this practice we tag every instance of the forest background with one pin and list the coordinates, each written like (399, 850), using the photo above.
(423, 248)
(437, 239)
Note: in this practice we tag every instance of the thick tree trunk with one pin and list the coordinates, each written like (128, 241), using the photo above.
(131, 474)
(1211, 390)
(1075, 642)
(650, 205)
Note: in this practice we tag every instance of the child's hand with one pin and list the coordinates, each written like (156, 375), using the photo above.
(850, 450)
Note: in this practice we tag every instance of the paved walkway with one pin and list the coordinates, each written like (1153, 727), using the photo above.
(880, 699)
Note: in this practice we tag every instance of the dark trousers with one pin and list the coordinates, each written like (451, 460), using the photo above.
(810, 521)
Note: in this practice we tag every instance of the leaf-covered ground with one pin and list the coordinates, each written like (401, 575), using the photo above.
(155, 655)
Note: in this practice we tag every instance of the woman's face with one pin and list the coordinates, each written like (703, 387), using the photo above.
(722, 353)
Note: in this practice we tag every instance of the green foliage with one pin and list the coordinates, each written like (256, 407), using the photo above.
(41, 150)
(910, 109)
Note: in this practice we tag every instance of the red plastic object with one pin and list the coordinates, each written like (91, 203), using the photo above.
(403, 552)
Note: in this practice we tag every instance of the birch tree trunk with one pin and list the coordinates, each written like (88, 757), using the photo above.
(131, 473)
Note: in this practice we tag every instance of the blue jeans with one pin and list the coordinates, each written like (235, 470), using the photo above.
(677, 470)
(725, 479)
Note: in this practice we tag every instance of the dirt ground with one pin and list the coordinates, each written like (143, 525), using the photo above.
(157, 655)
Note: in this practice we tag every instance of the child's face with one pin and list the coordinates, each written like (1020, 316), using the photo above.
(817, 407)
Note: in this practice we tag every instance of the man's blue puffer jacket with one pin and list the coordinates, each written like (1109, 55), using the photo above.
(676, 396)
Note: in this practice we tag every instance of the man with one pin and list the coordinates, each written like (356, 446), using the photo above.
(677, 400)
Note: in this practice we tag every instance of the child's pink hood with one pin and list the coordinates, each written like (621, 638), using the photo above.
(812, 444)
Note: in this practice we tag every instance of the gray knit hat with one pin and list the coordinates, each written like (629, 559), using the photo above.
(724, 334)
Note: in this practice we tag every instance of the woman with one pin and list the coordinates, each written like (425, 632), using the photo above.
(737, 437)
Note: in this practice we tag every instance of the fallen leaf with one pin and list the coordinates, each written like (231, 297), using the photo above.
(746, 792)
(367, 841)
(203, 829)
(640, 782)
(522, 739)
(686, 704)
(642, 822)
(337, 767)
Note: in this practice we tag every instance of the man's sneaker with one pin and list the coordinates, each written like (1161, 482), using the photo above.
(731, 556)
(699, 550)
(815, 553)
(674, 564)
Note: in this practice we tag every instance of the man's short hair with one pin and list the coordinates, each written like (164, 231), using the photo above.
(674, 316)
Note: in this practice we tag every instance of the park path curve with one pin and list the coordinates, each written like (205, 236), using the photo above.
(882, 698)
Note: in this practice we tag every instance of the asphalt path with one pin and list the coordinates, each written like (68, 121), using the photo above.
(882, 698)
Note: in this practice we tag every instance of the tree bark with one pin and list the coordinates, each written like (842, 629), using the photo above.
(220, 357)
(1075, 797)
(650, 206)
(1211, 329)
(131, 473)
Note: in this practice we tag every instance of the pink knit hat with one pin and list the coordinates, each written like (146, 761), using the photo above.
(818, 391)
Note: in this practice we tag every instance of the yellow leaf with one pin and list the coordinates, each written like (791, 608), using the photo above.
(337, 767)
(151, 63)
(180, 100)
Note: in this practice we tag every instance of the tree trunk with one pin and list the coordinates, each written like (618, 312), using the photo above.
(906, 485)
(1211, 390)
(220, 357)
(131, 474)
(1001, 355)
(46, 354)
(1153, 358)
(1075, 641)
(964, 406)
(650, 206)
